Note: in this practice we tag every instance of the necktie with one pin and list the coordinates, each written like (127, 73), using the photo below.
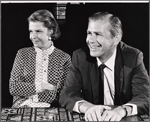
(101, 83)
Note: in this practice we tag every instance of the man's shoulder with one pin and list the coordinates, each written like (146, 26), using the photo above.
(125, 48)
(82, 51)
(83, 55)
(129, 54)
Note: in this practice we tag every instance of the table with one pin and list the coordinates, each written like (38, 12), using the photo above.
(47, 114)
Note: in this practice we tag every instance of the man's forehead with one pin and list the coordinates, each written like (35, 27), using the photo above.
(99, 23)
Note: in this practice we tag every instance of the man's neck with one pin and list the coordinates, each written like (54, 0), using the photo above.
(105, 58)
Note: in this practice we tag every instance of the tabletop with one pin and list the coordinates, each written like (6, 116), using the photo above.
(49, 114)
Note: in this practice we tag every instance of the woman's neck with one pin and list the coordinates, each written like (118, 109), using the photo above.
(48, 45)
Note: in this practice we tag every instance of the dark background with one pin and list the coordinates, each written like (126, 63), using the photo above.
(15, 35)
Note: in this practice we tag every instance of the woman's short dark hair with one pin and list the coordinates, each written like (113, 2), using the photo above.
(115, 23)
(49, 21)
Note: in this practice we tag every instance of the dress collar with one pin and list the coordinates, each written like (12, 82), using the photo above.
(47, 51)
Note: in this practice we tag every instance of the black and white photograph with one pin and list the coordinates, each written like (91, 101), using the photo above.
(89, 60)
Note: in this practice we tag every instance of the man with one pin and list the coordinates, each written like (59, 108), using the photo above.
(126, 81)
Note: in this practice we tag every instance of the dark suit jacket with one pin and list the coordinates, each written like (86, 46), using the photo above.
(131, 79)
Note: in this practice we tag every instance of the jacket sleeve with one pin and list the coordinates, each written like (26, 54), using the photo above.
(50, 96)
(17, 85)
(140, 86)
(72, 87)
(64, 72)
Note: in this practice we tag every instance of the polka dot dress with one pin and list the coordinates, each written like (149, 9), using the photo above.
(33, 66)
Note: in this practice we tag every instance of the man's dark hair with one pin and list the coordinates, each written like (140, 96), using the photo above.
(115, 23)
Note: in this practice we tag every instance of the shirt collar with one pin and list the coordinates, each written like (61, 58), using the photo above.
(110, 63)
(47, 51)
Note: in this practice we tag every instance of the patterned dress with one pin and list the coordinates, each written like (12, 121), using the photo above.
(22, 85)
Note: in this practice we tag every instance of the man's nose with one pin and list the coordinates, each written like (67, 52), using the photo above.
(92, 38)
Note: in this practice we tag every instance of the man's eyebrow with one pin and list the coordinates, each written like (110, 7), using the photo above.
(37, 29)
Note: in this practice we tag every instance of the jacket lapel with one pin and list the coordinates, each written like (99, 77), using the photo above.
(118, 76)
(94, 77)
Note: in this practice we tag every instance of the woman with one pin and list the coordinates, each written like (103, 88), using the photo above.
(39, 72)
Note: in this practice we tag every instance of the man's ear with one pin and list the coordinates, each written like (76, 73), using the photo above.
(118, 38)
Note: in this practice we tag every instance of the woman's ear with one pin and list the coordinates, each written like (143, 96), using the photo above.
(50, 32)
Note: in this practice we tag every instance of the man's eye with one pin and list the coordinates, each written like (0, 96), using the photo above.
(88, 33)
(98, 34)
(38, 31)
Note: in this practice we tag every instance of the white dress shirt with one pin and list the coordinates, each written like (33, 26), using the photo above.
(109, 87)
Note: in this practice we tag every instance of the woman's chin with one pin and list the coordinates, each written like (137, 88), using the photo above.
(35, 45)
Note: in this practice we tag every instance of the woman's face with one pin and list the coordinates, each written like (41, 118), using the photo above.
(39, 35)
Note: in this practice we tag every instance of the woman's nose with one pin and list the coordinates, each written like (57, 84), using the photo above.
(34, 35)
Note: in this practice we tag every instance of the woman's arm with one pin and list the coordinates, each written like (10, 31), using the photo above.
(51, 95)
(17, 84)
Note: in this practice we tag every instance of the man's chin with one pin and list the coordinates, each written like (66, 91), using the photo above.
(93, 54)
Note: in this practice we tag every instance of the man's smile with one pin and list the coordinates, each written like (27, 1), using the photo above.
(94, 47)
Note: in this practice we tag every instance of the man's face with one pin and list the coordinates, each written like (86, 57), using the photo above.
(99, 39)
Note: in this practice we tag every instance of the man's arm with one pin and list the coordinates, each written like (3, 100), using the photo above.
(82, 106)
(140, 86)
(71, 91)
(140, 96)
(115, 114)
(92, 112)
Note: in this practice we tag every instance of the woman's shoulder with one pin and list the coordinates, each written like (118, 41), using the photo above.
(60, 56)
(26, 50)
(61, 52)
